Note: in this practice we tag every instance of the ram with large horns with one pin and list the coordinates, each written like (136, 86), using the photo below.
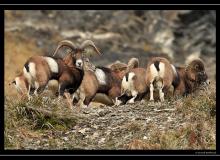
(68, 71)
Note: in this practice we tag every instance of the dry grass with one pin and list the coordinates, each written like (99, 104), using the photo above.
(44, 123)
(33, 120)
(198, 131)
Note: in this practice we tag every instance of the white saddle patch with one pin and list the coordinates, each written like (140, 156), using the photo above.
(52, 64)
(174, 70)
(100, 74)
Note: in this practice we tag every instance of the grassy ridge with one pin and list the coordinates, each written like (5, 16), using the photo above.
(44, 123)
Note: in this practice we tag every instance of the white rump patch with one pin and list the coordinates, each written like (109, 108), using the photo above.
(124, 85)
(100, 74)
(130, 76)
(162, 69)
(27, 75)
(131, 82)
(52, 64)
(153, 71)
(31, 75)
(128, 86)
(32, 69)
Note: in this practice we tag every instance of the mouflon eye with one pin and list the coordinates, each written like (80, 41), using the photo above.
(197, 66)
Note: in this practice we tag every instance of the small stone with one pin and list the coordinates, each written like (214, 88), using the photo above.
(95, 135)
(83, 131)
(65, 139)
(102, 140)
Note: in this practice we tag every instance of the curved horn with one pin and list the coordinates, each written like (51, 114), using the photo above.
(90, 43)
(132, 63)
(64, 43)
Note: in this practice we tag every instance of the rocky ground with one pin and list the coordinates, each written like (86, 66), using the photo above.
(43, 123)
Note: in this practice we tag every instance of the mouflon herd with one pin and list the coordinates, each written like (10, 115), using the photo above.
(122, 83)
